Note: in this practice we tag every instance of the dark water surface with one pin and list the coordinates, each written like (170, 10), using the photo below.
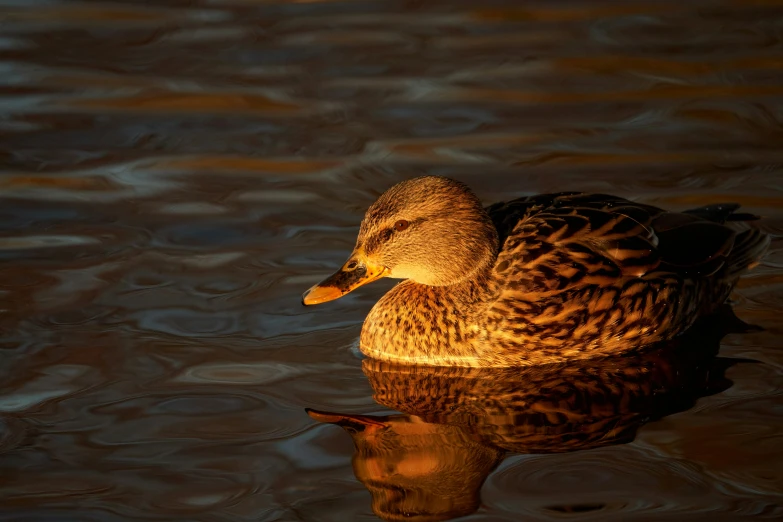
(174, 174)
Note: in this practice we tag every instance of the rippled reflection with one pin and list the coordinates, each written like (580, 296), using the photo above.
(430, 462)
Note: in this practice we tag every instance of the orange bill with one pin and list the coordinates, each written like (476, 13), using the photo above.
(353, 274)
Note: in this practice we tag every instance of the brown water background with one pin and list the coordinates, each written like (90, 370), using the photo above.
(174, 174)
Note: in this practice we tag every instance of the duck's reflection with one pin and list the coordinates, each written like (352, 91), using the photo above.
(457, 424)
(414, 469)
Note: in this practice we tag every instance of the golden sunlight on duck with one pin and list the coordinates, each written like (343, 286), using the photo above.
(541, 279)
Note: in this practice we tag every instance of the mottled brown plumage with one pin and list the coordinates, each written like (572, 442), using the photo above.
(535, 280)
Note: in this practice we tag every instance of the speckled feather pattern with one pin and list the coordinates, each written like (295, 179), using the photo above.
(577, 275)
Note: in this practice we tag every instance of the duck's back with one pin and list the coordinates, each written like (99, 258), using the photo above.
(582, 274)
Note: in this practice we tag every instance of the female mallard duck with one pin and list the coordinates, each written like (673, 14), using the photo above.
(540, 279)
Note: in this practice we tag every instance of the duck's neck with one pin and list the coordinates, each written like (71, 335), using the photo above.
(470, 277)
(471, 290)
(428, 303)
(417, 323)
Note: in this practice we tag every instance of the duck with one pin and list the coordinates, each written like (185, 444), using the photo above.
(541, 279)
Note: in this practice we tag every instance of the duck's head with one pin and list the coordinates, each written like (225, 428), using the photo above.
(432, 230)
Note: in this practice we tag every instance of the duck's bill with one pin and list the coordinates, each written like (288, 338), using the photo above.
(351, 276)
(358, 422)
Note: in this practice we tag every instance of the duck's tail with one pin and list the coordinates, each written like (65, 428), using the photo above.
(749, 245)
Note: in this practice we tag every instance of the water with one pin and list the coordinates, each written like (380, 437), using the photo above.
(175, 174)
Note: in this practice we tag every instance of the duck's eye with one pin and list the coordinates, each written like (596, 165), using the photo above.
(401, 225)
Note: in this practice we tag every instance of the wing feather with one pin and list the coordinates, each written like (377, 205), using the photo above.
(554, 242)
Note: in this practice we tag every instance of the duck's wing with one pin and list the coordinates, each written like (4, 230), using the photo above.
(558, 241)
